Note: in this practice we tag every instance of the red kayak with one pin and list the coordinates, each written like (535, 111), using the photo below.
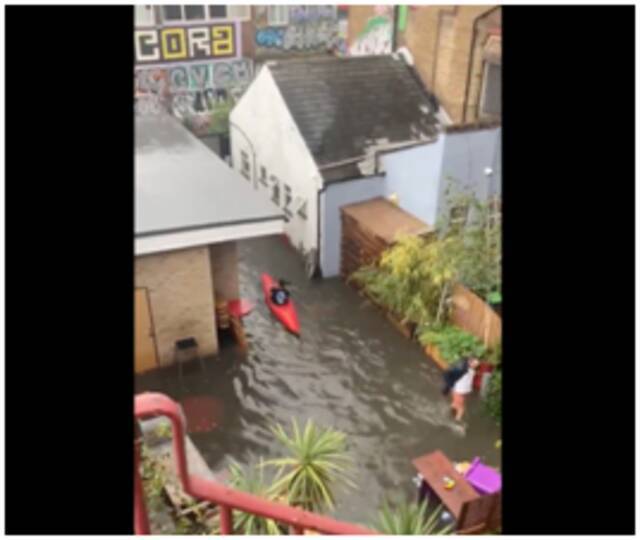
(286, 314)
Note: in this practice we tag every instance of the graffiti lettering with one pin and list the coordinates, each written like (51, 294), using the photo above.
(232, 74)
(270, 37)
(200, 94)
(185, 44)
(310, 27)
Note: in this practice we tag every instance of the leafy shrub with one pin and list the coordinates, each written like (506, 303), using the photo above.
(493, 400)
(452, 343)
(495, 356)
(413, 279)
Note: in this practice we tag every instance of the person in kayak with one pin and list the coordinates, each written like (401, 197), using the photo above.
(280, 295)
(458, 381)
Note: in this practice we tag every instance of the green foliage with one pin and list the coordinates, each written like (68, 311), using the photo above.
(251, 480)
(480, 240)
(413, 279)
(494, 297)
(495, 355)
(317, 461)
(153, 478)
(493, 401)
(410, 519)
(452, 342)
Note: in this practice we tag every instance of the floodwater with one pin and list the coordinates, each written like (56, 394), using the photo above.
(351, 370)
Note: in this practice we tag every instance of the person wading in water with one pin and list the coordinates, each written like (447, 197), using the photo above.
(458, 380)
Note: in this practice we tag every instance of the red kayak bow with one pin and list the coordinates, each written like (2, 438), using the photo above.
(285, 314)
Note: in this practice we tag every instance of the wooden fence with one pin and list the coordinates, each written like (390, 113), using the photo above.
(473, 315)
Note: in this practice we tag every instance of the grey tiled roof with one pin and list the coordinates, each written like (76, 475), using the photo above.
(342, 105)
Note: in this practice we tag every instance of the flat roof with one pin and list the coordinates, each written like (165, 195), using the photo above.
(386, 220)
(184, 189)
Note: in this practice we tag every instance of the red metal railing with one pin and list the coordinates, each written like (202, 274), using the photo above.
(149, 405)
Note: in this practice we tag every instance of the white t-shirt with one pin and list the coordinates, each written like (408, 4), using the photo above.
(465, 383)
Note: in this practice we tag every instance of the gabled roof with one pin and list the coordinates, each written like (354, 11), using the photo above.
(186, 195)
(344, 105)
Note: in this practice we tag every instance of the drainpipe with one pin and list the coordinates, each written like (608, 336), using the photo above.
(472, 58)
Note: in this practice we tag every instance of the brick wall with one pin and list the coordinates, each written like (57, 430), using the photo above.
(224, 268)
(440, 40)
(181, 299)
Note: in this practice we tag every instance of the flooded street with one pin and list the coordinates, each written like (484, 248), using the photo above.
(351, 370)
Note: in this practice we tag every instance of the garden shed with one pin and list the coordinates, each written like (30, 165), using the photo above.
(370, 227)
(191, 209)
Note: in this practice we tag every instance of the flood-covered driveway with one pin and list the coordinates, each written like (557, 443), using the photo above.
(350, 370)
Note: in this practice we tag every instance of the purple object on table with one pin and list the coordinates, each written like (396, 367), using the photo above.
(484, 479)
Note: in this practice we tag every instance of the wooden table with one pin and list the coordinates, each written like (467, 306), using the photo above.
(433, 468)
(473, 512)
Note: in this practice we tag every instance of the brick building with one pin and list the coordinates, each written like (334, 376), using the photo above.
(456, 50)
(191, 208)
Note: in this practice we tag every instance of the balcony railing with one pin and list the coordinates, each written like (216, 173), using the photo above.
(150, 405)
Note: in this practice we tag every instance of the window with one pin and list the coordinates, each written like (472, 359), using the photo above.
(242, 13)
(172, 13)
(194, 13)
(144, 16)
(191, 13)
(217, 12)
(278, 15)
(491, 99)
(246, 166)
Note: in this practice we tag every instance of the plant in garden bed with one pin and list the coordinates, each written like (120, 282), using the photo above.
(452, 342)
(480, 239)
(317, 462)
(411, 519)
(413, 279)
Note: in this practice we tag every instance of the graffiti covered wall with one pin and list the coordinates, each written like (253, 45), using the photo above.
(309, 29)
(186, 43)
(195, 72)
(200, 94)
(377, 35)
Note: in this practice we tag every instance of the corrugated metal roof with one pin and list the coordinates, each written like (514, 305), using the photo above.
(182, 185)
(344, 105)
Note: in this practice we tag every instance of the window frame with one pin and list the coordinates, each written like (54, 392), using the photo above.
(276, 21)
(207, 18)
(153, 16)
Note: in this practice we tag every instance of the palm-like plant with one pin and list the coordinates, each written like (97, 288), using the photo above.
(251, 480)
(316, 464)
(410, 519)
